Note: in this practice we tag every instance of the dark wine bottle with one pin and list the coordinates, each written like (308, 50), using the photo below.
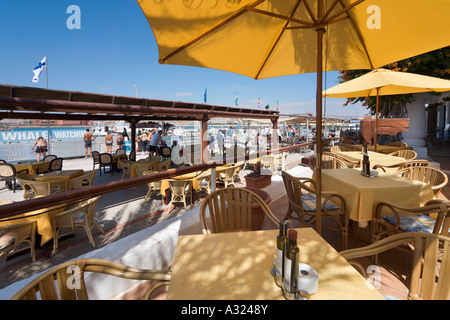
(291, 263)
(281, 249)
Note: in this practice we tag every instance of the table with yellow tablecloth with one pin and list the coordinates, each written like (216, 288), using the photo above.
(32, 166)
(60, 175)
(375, 158)
(132, 165)
(362, 194)
(43, 219)
(237, 266)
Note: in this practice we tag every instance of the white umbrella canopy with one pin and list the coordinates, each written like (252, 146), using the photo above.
(271, 38)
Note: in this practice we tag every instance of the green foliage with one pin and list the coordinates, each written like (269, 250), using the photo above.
(435, 64)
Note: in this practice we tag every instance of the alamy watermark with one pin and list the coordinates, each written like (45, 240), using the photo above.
(74, 20)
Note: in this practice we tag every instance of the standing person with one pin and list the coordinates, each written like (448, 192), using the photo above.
(119, 141)
(220, 141)
(88, 138)
(109, 142)
(155, 142)
(211, 145)
(150, 135)
(125, 134)
(144, 140)
(41, 148)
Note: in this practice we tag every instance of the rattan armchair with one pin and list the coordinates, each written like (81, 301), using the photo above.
(17, 237)
(180, 191)
(342, 148)
(230, 210)
(434, 177)
(43, 188)
(407, 164)
(404, 153)
(302, 201)
(428, 278)
(76, 216)
(8, 174)
(153, 187)
(56, 284)
(49, 157)
(226, 176)
(25, 179)
(85, 180)
(397, 144)
(163, 165)
(55, 165)
(204, 181)
(329, 161)
(390, 219)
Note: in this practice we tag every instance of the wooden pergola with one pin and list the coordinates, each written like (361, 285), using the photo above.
(17, 102)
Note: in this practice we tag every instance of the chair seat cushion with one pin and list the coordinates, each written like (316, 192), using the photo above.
(309, 203)
(413, 223)
(7, 240)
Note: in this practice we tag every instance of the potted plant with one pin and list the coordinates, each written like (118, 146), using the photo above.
(256, 180)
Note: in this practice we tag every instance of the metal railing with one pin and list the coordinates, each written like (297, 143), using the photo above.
(19, 207)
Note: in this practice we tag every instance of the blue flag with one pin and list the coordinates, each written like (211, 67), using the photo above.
(236, 99)
(204, 96)
(37, 71)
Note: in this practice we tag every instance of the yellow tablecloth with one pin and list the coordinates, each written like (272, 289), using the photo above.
(132, 165)
(32, 166)
(43, 219)
(362, 194)
(237, 265)
(375, 158)
(188, 176)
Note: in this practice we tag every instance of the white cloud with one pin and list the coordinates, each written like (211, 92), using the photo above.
(183, 94)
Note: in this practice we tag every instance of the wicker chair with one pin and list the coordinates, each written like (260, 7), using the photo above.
(132, 155)
(425, 281)
(25, 179)
(49, 157)
(226, 176)
(302, 201)
(106, 160)
(163, 166)
(12, 238)
(348, 162)
(8, 174)
(96, 159)
(390, 219)
(85, 180)
(434, 177)
(55, 283)
(404, 153)
(126, 169)
(153, 187)
(400, 166)
(75, 217)
(180, 191)
(55, 165)
(328, 162)
(398, 144)
(232, 215)
(45, 188)
(342, 148)
(121, 151)
(204, 181)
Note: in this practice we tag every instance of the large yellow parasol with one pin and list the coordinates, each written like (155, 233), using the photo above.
(270, 38)
(381, 82)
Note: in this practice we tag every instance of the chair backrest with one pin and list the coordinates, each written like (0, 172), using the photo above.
(22, 232)
(85, 180)
(230, 209)
(121, 151)
(166, 151)
(416, 163)
(141, 167)
(2, 161)
(328, 162)
(178, 187)
(49, 157)
(405, 153)
(397, 144)
(163, 166)
(155, 158)
(46, 188)
(132, 155)
(295, 187)
(424, 281)
(105, 158)
(434, 177)
(96, 156)
(56, 164)
(342, 147)
(60, 290)
(7, 171)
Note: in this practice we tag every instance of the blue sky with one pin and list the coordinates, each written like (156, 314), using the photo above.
(115, 50)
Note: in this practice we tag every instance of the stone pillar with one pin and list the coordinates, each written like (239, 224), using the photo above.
(417, 132)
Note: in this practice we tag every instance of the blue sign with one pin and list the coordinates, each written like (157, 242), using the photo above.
(32, 134)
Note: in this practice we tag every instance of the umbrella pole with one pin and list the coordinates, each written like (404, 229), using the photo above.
(376, 120)
(320, 33)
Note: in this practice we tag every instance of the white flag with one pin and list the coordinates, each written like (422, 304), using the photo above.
(37, 71)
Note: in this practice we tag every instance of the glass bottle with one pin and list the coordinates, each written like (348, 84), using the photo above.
(281, 248)
(291, 264)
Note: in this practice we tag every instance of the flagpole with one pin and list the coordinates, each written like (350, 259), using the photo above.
(46, 70)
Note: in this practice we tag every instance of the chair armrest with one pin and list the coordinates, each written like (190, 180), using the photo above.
(22, 171)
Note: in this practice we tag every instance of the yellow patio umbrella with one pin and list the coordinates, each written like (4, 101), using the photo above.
(271, 38)
(382, 82)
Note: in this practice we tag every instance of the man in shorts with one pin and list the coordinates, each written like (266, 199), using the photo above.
(88, 138)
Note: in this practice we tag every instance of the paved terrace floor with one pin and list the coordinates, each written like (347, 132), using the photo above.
(123, 213)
